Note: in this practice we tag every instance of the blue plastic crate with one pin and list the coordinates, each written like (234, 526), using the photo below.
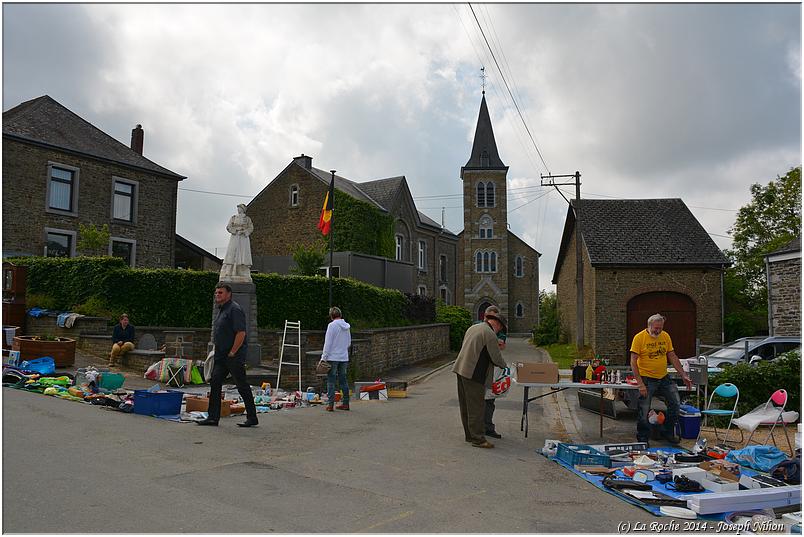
(167, 403)
(570, 454)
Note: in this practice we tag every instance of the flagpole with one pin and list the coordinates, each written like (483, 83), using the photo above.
(331, 233)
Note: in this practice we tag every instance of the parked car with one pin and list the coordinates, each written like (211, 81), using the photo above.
(759, 349)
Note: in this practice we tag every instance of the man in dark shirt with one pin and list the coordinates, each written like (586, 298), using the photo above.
(231, 347)
(122, 339)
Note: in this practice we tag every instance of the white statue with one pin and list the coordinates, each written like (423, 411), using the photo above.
(237, 263)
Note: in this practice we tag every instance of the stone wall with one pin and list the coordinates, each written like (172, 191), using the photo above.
(615, 287)
(25, 169)
(566, 298)
(525, 288)
(784, 279)
(42, 326)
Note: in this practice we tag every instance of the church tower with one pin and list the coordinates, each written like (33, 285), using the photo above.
(485, 223)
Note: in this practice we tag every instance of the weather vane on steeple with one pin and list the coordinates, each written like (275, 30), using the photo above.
(483, 79)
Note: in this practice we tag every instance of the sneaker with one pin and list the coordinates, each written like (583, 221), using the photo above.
(328, 408)
(493, 434)
(344, 406)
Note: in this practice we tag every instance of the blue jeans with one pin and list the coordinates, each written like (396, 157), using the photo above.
(668, 390)
(338, 369)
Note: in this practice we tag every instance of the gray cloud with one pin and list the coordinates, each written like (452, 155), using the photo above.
(679, 100)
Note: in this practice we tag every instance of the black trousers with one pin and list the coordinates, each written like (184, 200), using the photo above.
(488, 416)
(223, 368)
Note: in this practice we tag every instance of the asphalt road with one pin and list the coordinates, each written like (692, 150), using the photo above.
(385, 467)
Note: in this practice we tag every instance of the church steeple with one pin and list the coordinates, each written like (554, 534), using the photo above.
(484, 149)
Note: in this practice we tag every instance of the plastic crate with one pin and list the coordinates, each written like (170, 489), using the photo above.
(689, 425)
(166, 403)
(569, 453)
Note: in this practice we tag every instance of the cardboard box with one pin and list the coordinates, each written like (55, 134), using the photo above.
(718, 470)
(717, 483)
(201, 404)
(536, 373)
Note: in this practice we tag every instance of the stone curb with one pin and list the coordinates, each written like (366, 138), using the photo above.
(425, 376)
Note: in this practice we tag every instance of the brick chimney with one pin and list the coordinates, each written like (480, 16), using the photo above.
(137, 138)
(304, 161)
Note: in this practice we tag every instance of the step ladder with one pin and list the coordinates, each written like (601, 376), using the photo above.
(290, 325)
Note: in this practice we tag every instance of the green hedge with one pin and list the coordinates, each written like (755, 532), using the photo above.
(757, 383)
(459, 320)
(68, 281)
(170, 297)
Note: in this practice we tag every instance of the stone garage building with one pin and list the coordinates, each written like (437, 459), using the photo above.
(783, 268)
(640, 257)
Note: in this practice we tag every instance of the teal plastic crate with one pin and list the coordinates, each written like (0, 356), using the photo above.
(573, 454)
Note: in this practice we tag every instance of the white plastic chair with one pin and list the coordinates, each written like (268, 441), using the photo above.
(771, 413)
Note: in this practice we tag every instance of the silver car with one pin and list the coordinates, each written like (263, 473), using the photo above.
(759, 349)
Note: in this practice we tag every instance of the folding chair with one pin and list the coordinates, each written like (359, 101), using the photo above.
(727, 391)
(767, 411)
(175, 375)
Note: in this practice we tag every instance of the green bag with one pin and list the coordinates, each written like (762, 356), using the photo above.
(195, 375)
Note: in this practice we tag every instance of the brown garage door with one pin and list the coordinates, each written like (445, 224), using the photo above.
(681, 319)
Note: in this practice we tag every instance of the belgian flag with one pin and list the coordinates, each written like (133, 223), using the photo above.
(325, 221)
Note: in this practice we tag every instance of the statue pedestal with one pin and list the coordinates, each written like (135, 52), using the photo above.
(245, 294)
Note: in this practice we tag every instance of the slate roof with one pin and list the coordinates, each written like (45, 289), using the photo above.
(484, 141)
(641, 232)
(792, 246)
(384, 191)
(197, 249)
(45, 121)
(347, 187)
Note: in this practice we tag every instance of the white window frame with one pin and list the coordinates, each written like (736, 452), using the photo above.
(294, 189)
(133, 244)
(422, 256)
(486, 224)
(72, 234)
(135, 194)
(519, 266)
(400, 247)
(443, 294)
(519, 310)
(73, 192)
(421, 290)
(336, 271)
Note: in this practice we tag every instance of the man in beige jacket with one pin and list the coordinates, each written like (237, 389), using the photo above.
(474, 368)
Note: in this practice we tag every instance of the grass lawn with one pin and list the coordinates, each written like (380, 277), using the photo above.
(564, 353)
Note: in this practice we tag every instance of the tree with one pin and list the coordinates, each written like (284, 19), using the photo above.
(771, 219)
(308, 259)
(92, 239)
(549, 329)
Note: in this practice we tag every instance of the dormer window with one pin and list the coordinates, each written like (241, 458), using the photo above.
(484, 159)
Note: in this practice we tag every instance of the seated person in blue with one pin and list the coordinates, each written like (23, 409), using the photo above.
(122, 339)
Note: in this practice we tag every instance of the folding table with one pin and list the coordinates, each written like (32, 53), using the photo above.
(559, 387)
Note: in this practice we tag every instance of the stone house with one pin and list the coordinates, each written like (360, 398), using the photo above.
(191, 256)
(496, 266)
(285, 214)
(640, 257)
(783, 271)
(60, 171)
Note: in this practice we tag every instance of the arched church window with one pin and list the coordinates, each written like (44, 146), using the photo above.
(481, 194)
(490, 194)
(486, 227)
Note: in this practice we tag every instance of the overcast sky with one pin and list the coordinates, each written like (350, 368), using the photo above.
(690, 101)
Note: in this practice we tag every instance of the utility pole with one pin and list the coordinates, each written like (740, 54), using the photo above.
(579, 332)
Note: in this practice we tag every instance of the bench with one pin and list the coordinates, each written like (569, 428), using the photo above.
(144, 354)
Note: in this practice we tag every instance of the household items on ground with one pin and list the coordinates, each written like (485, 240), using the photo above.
(658, 479)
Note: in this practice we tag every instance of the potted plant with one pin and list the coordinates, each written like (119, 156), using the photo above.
(61, 349)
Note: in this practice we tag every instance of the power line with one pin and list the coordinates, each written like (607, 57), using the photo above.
(693, 206)
(502, 75)
(215, 193)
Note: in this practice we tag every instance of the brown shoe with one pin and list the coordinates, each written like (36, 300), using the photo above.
(485, 444)
(328, 408)
(344, 406)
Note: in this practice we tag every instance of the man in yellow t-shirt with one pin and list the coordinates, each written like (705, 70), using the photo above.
(651, 351)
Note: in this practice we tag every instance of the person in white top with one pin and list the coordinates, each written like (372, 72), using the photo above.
(336, 352)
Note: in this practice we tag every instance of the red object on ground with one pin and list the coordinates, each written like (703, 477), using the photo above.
(373, 387)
